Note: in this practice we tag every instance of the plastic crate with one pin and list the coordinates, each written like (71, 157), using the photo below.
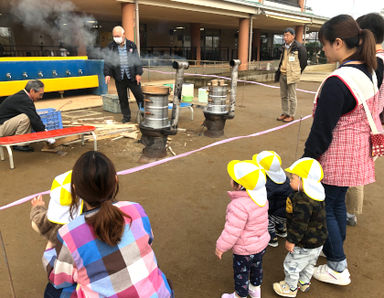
(50, 118)
(111, 103)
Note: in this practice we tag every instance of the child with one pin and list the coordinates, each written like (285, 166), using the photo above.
(107, 249)
(246, 227)
(48, 221)
(306, 227)
(278, 189)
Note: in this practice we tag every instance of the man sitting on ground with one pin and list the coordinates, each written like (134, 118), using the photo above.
(18, 113)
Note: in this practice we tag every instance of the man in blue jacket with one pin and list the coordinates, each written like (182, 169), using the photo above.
(18, 113)
(126, 71)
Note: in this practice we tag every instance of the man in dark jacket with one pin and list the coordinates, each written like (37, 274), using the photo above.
(292, 63)
(18, 112)
(126, 71)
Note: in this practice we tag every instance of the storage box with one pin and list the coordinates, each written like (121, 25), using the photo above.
(50, 118)
(111, 103)
(187, 92)
(203, 94)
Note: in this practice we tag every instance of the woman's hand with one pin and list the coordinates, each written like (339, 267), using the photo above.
(218, 253)
(38, 201)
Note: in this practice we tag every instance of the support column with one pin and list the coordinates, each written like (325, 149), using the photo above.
(81, 49)
(243, 43)
(128, 20)
(301, 4)
(195, 41)
(299, 33)
(258, 44)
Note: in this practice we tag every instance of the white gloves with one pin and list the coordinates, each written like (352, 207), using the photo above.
(51, 141)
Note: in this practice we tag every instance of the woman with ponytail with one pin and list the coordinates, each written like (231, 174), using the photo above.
(374, 22)
(340, 134)
(107, 250)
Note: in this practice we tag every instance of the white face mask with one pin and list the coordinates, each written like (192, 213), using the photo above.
(118, 40)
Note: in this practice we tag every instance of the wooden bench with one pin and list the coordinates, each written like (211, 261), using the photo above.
(35, 137)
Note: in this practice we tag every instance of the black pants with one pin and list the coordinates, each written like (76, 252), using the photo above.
(122, 88)
(247, 269)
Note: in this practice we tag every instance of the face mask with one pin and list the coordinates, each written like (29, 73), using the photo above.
(118, 40)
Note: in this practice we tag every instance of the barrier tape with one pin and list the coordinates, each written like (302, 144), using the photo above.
(162, 161)
(226, 78)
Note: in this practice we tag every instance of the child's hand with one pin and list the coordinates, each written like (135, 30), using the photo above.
(38, 201)
(218, 253)
(50, 245)
(289, 246)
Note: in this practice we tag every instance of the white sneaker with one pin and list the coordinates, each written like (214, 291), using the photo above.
(325, 274)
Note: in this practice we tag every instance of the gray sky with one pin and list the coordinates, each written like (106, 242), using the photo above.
(355, 8)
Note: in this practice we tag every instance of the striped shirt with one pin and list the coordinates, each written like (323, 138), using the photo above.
(128, 269)
(124, 65)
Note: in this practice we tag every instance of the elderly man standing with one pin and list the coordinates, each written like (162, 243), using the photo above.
(292, 63)
(126, 71)
(18, 112)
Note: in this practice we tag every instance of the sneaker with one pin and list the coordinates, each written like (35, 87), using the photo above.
(325, 274)
(274, 242)
(254, 293)
(282, 117)
(351, 220)
(304, 287)
(281, 233)
(125, 120)
(282, 289)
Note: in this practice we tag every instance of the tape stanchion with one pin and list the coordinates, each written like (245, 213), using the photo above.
(165, 160)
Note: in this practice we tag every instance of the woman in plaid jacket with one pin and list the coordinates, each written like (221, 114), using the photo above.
(340, 133)
(106, 251)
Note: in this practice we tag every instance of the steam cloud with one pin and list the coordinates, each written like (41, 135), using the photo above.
(61, 22)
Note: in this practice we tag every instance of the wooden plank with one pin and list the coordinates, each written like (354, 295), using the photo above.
(132, 135)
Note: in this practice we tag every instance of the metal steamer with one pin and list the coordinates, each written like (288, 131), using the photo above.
(156, 107)
(156, 126)
(219, 109)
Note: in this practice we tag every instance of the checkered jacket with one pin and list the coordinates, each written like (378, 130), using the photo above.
(128, 269)
(380, 55)
(348, 160)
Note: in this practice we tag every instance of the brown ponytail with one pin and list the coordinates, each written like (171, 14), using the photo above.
(345, 27)
(366, 51)
(94, 181)
(108, 223)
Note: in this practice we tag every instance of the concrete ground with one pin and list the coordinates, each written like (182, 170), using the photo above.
(186, 200)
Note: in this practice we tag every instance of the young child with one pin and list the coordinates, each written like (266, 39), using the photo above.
(107, 249)
(278, 189)
(246, 227)
(47, 221)
(306, 226)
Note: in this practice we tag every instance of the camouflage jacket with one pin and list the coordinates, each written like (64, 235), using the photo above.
(306, 223)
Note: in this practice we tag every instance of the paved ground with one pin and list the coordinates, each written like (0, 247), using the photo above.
(186, 200)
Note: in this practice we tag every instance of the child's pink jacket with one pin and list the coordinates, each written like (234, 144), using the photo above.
(246, 226)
